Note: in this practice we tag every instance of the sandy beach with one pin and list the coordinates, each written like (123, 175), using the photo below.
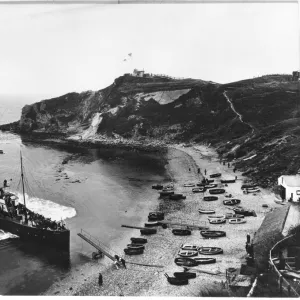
(162, 247)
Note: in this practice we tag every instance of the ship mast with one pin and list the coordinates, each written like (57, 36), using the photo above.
(22, 176)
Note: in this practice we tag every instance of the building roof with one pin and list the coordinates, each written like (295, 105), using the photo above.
(291, 180)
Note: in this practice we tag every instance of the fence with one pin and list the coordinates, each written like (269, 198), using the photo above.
(284, 286)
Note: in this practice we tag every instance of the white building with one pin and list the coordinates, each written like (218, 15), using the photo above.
(138, 73)
(289, 187)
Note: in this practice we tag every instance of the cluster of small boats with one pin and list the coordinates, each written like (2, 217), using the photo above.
(136, 246)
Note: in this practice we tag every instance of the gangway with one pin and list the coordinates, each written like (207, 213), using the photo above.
(95, 243)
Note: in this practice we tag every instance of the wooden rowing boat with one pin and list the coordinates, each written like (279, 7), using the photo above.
(216, 217)
(217, 221)
(198, 190)
(233, 216)
(248, 186)
(227, 180)
(210, 250)
(206, 211)
(251, 191)
(210, 186)
(184, 275)
(177, 197)
(157, 187)
(176, 281)
(212, 233)
(152, 224)
(231, 202)
(129, 251)
(181, 232)
(166, 193)
(242, 211)
(205, 260)
(138, 240)
(189, 247)
(187, 253)
(148, 231)
(236, 221)
(189, 184)
(216, 191)
(215, 175)
(185, 261)
(210, 198)
(135, 246)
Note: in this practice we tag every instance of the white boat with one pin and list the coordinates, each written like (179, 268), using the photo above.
(206, 211)
(187, 253)
(189, 247)
(217, 221)
(217, 217)
(251, 191)
(189, 184)
(236, 221)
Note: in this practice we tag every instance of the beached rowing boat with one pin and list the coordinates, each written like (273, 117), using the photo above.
(236, 221)
(212, 233)
(130, 251)
(152, 224)
(215, 175)
(231, 202)
(204, 260)
(233, 216)
(227, 180)
(187, 253)
(181, 232)
(210, 186)
(210, 250)
(242, 211)
(251, 191)
(177, 197)
(184, 275)
(185, 261)
(216, 191)
(198, 190)
(189, 184)
(206, 211)
(176, 281)
(135, 246)
(210, 198)
(148, 231)
(216, 217)
(189, 247)
(217, 221)
(138, 240)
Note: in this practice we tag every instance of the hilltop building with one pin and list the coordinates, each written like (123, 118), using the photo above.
(289, 187)
(138, 73)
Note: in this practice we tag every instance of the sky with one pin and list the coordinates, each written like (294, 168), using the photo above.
(50, 50)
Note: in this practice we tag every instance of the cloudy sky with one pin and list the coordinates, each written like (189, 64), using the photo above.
(49, 50)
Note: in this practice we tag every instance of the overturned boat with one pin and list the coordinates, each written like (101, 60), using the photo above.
(181, 232)
(198, 190)
(130, 251)
(236, 221)
(185, 261)
(216, 191)
(148, 231)
(136, 246)
(212, 233)
(210, 186)
(176, 281)
(177, 197)
(189, 184)
(210, 198)
(227, 180)
(215, 175)
(157, 187)
(138, 240)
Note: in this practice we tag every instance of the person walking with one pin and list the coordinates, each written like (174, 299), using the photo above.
(205, 171)
(122, 260)
(100, 279)
(198, 170)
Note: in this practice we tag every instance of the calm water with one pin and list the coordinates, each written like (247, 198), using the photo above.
(97, 190)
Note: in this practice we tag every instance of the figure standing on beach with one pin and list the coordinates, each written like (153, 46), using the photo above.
(100, 279)
(228, 165)
(223, 163)
(198, 170)
(205, 171)
(235, 177)
(122, 260)
(190, 169)
(234, 170)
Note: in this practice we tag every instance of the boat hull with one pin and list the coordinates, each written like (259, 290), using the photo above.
(56, 239)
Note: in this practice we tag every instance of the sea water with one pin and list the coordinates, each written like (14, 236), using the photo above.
(98, 190)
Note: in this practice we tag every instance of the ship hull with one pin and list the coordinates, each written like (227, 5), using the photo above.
(57, 239)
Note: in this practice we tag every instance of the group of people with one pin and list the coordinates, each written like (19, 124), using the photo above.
(119, 260)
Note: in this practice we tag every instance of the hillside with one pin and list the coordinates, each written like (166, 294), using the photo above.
(254, 122)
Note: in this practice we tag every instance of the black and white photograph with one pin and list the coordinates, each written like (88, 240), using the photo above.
(150, 149)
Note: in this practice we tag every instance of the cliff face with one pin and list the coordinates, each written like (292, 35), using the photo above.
(255, 122)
